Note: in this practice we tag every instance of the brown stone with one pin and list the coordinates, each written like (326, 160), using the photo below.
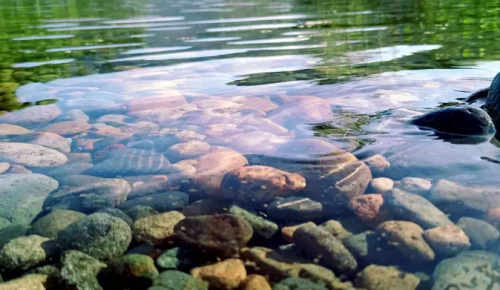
(188, 149)
(8, 130)
(260, 184)
(224, 233)
(206, 206)
(256, 282)
(378, 164)
(4, 167)
(287, 232)
(212, 167)
(376, 277)
(447, 240)
(336, 229)
(494, 217)
(368, 208)
(381, 185)
(227, 274)
(156, 229)
(407, 238)
(68, 128)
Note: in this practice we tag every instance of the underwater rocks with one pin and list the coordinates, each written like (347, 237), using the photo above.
(131, 162)
(50, 225)
(318, 243)
(68, 128)
(162, 202)
(25, 252)
(460, 120)
(477, 268)
(46, 139)
(225, 233)
(22, 196)
(34, 115)
(481, 233)
(415, 208)
(156, 229)
(80, 270)
(295, 209)
(260, 184)
(447, 240)
(30, 155)
(478, 198)
(228, 274)
(88, 193)
(12, 130)
(177, 280)
(261, 227)
(376, 277)
(493, 100)
(99, 235)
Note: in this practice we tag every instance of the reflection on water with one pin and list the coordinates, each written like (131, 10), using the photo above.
(275, 114)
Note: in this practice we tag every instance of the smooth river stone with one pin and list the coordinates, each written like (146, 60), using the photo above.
(260, 184)
(333, 176)
(22, 196)
(8, 130)
(412, 207)
(46, 139)
(74, 115)
(88, 193)
(212, 167)
(36, 115)
(68, 128)
(30, 155)
(170, 99)
(131, 162)
(478, 198)
(300, 110)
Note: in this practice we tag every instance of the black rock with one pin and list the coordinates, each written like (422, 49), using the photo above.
(493, 100)
(460, 120)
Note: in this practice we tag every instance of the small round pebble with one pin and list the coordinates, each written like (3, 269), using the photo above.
(381, 185)
(415, 185)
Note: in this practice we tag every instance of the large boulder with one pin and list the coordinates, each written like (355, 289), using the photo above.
(22, 196)
(460, 120)
(493, 100)
(25, 252)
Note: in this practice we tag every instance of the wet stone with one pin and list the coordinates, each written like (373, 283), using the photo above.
(30, 155)
(298, 284)
(447, 240)
(228, 274)
(80, 270)
(25, 252)
(19, 169)
(481, 233)
(101, 155)
(336, 229)
(138, 212)
(319, 243)
(298, 209)
(156, 229)
(477, 268)
(99, 235)
(22, 196)
(74, 115)
(48, 140)
(369, 208)
(256, 282)
(288, 231)
(381, 185)
(415, 185)
(218, 233)
(162, 202)
(372, 248)
(87, 193)
(260, 184)
(212, 167)
(180, 258)
(408, 238)
(261, 227)
(188, 149)
(133, 271)
(11, 232)
(131, 162)
(27, 282)
(35, 115)
(412, 207)
(177, 280)
(376, 277)
(12, 130)
(206, 206)
(467, 120)
(68, 128)
(50, 225)
(377, 164)
(478, 198)
(4, 167)
(141, 128)
(117, 213)
(65, 170)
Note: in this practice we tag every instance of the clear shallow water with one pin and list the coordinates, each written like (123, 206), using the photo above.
(307, 87)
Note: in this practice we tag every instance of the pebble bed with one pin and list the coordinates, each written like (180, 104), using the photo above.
(134, 182)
